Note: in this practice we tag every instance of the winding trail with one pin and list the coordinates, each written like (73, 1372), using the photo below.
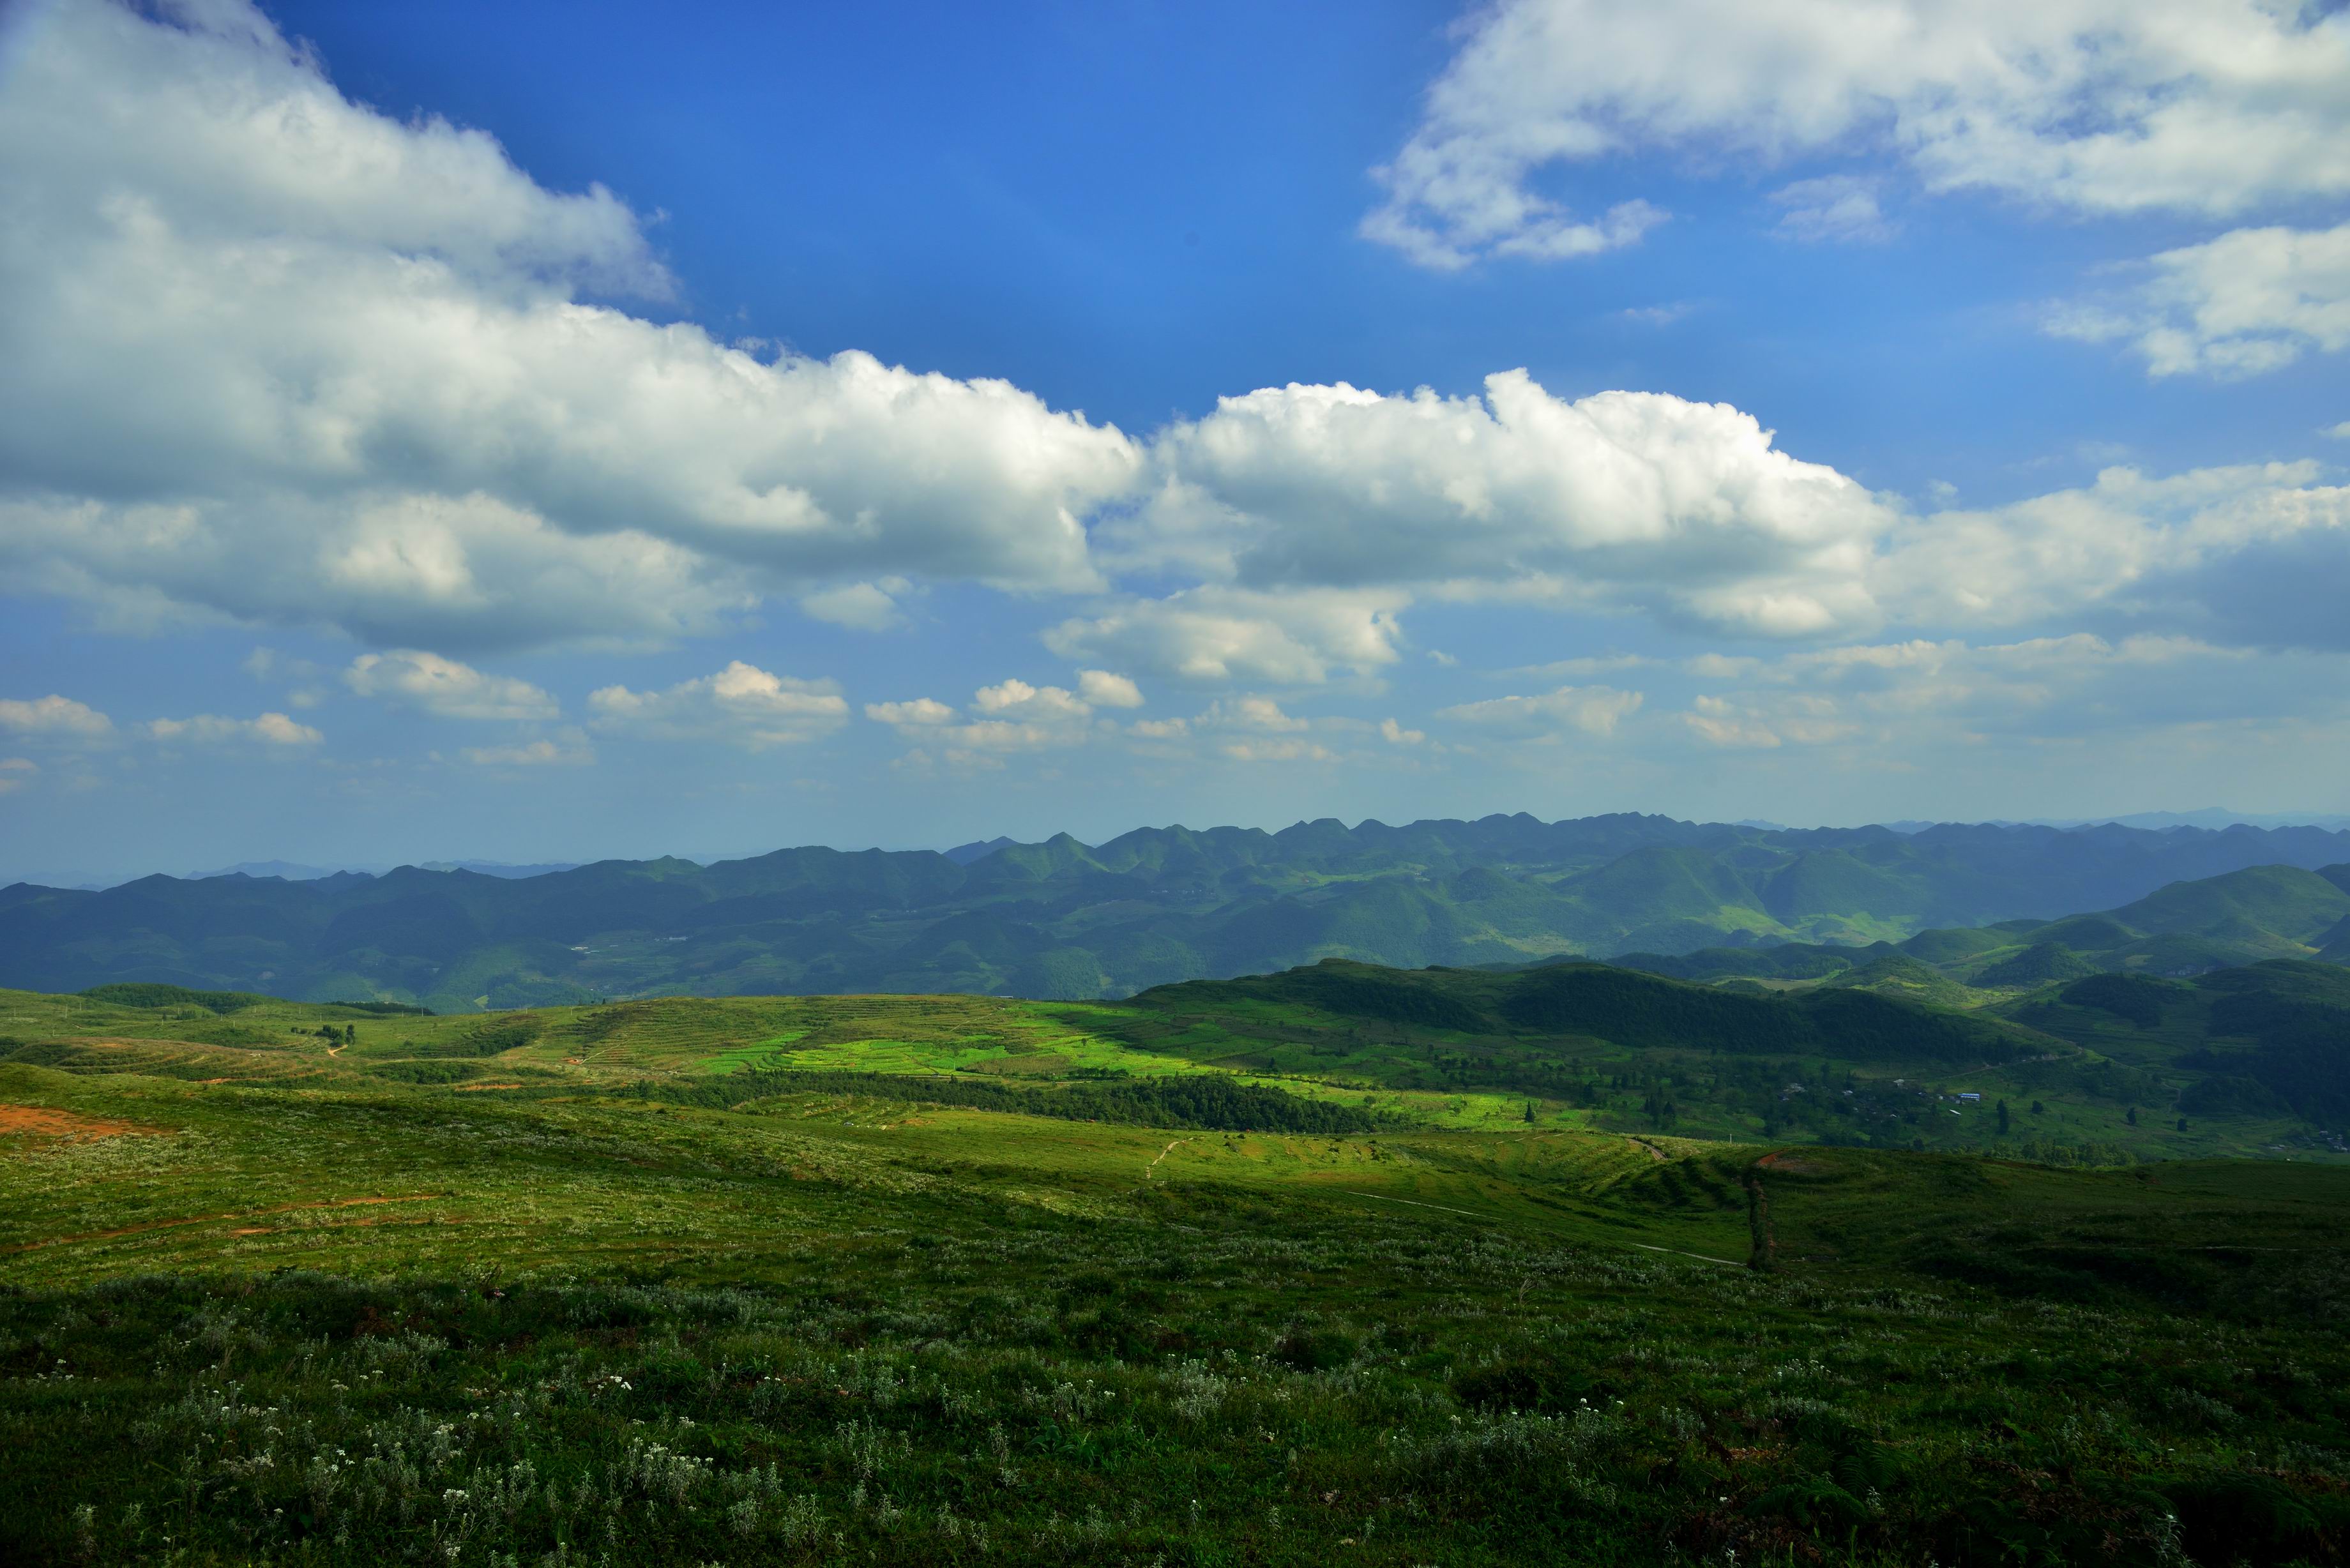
(1416, 1203)
(1163, 1154)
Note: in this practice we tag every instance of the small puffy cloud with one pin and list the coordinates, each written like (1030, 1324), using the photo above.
(1724, 725)
(16, 773)
(446, 687)
(1593, 710)
(571, 750)
(2249, 301)
(53, 716)
(1838, 208)
(1253, 713)
(1159, 728)
(741, 705)
(1018, 717)
(1104, 689)
(859, 606)
(1219, 634)
(211, 729)
(2340, 432)
(1017, 699)
(1397, 735)
(919, 712)
(2096, 106)
(1800, 719)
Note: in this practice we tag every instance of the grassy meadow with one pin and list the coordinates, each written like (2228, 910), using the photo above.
(799, 1279)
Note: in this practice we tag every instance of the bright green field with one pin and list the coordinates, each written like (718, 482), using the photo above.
(260, 1302)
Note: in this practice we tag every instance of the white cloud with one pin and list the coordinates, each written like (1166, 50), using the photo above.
(1019, 717)
(1159, 728)
(2250, 553)
(2249, 301)
(211, 729)
(1017, 698)
(1901, 699)
(1104, 689)
(2099, 106)
(276, 358)
(16, 773)
(1621, 498)
(53, 716)
(1657, 315)
(1592, 710)
(741, 705)
(1834, 207)
(1252, 713)
(1216, 634)
(920, 712)
(1277, 752)
(446, 687)
(1397, 735)
(571, 750)
(1804, 720)
(859, 606)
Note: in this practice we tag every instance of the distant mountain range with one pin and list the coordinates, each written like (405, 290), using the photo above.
(1067, 919)
(293, 871)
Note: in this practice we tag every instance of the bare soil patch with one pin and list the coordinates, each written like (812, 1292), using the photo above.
(38, 1121)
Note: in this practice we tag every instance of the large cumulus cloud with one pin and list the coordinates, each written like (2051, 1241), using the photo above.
(2213, 106)
(1621, 497)
(276, 357)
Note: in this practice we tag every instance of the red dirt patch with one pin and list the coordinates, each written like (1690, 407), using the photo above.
(38, 1121)
(1780, 1159)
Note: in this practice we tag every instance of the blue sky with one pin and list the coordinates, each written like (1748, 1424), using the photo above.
(542, 433)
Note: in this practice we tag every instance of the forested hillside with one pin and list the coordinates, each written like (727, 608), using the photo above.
(1065, 919)
(2182, 930)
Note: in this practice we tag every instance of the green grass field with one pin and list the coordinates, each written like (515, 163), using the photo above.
(570, 1287)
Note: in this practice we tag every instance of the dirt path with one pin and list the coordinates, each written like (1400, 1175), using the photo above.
(1162, 1155)
(1416, 1203)
(208, 1219)
(1676, 1251)
(1654, 1152)
(41, 1122)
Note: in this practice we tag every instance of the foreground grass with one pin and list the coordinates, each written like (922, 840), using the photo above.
(391, 1323)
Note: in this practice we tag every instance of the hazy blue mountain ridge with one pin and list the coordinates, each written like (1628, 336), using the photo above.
(1156, 905)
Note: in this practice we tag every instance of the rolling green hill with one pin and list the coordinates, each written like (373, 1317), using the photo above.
(2183, 928)
(1069, 920)
(938, 1279)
